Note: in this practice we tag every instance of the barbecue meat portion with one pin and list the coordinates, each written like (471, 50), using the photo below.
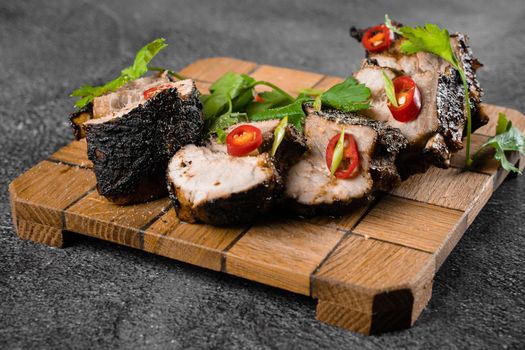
(438, 131)
(130, 149)
(208, 185)
(311, 189)
(129, 94)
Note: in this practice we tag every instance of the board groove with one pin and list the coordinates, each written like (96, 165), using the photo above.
(371, 271)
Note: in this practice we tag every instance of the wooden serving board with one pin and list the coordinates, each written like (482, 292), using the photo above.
(371, 271)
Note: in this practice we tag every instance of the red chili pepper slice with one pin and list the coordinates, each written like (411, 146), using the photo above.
(259, 99)
(153, 91)
(243, 140)
(378, 38)
(408, 99)
(350, 160)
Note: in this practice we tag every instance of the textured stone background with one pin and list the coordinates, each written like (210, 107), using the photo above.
(98, 295)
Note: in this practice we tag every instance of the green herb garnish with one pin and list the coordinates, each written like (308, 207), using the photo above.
(390, 90)
(278, 134)
(139, 67)
(337, 157)
(508, 138)
(348, 96)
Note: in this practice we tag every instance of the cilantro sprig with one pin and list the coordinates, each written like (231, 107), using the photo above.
(508, 138)
(433, 39)
(231, 100)
(87, 93)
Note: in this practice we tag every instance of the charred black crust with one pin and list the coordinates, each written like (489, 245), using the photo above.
(130, 154)
(77, 118)
(451, 108)
(470, 64)
(239, 208)
(337, 208)
(291, 149)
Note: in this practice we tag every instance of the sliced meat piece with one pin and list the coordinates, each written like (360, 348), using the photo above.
(439, 129)
(208, 185)
(310, 187)
(425, 127)
(131, 148)
(131, 93)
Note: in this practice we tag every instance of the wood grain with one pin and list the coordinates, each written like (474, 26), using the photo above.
(450, 188)
(44, 191)
(411, 224)
(97, 217)
(281, 254)
(197, 244)
(287, 79)
(75, 153)
(44, 234)
(370, 276)
(211, 69)
(327, 82)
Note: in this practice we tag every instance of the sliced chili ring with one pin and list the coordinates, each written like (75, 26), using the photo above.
(258, 98)
(377, 38)
(149, 93)
(408, 98)
(350, 160)
(243, 140)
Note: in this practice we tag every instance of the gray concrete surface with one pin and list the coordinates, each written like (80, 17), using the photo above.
(98, 295)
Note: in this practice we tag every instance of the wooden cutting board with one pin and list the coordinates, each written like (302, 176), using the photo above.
(371, 271)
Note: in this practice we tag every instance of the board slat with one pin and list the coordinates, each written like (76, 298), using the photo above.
(95, 216)
(45, 190)
(75, 153)
(371, 276)
(372, 270)
(201, 245)
(281, 254)
(411, 223)
(287, 79)
(210, 69)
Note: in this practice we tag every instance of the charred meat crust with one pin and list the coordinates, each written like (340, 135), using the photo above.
(237, 208)
(78, 118)
(338, 208)
(450, 102)
(130, 153)
(290, 150)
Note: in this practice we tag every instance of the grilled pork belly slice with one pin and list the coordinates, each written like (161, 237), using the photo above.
(311, 189)
(438, 131)
(130, 149)
(208, 185)
(130, 94)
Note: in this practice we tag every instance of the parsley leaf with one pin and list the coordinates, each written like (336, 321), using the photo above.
(431, 39)
(270, 99)
(348, 96)
(139, 67)
(508, 138)
(390, 90)
(294, 111)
